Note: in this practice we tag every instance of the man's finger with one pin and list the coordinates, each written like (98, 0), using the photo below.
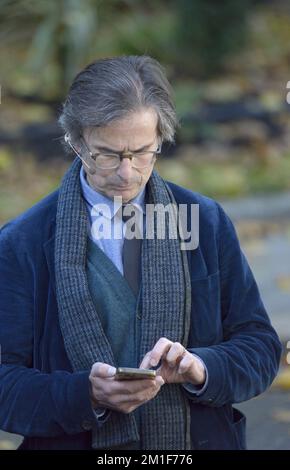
(160, 349)
(100, 369)
(145, 364)
(175, 354)
(185, 364)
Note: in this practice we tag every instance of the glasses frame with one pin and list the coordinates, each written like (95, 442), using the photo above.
(119, 155)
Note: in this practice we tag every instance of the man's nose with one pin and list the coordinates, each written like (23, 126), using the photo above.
(125, 169)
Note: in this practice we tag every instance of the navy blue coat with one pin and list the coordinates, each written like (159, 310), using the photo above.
(43, 400)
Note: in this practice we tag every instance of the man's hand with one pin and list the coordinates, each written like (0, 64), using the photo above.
(177, 364)
(125, 395)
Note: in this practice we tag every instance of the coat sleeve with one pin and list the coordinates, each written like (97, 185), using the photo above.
(33, 403)
(245, 363)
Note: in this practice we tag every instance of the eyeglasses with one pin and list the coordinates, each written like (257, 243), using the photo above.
(112, 160)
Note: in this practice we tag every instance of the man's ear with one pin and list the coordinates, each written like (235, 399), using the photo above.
(75, 148)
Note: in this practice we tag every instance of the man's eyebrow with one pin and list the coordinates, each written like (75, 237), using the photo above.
(106, 149)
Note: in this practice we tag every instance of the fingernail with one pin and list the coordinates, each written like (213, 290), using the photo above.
(153, 362)
(111, 371)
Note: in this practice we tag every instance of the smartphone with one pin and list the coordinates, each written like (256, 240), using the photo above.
(129, 373)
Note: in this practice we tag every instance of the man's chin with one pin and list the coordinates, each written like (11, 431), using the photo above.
(126, 194)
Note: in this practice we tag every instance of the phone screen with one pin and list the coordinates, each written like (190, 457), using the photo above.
(130, 373)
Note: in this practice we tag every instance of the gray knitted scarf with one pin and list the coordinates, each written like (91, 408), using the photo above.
(165, 307)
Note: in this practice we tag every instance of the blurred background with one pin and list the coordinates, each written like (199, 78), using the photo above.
(228, 62)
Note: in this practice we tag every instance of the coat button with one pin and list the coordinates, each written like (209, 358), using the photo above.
(87, 425)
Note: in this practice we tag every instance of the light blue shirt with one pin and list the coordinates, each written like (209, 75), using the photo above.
(103, 212)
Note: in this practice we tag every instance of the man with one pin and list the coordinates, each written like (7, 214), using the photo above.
(71, 310)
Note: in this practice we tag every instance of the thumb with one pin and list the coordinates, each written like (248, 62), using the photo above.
(100, 369)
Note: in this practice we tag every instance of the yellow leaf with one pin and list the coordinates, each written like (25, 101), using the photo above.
(283, 283)
(282, 415)
(283, 380)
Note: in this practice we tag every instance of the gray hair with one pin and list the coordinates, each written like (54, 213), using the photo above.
(109, 89)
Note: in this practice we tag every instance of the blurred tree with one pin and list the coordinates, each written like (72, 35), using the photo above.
(208, 32)
(52, 39)
(57, 35)
(65, 31)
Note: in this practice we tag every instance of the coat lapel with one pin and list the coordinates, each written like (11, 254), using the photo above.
(48, 248)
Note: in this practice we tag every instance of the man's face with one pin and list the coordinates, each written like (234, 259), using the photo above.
(135, 132)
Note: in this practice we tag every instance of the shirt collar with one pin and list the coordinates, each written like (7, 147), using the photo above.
(94, 197)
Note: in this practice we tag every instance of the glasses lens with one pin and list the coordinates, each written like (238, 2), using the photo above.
(110, 161)
(142, 159)
(107, 161)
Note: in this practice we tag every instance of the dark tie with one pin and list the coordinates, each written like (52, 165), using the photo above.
(131, 254)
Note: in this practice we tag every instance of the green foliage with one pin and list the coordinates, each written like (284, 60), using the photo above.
(187, 95)
(53, 39)
(209, 31)
(139, 33)
(230, 178)
(24, 181)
